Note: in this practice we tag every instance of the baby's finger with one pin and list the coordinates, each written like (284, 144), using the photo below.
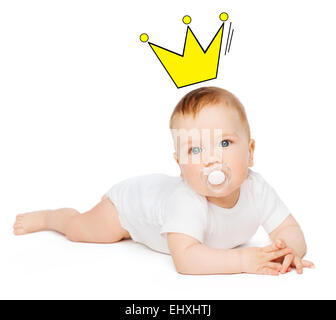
(277, 254)
(298, 264)
(273, 265)
(276, 245)
(307, 264)
(286, 262)
(280, 243)
(270, 271)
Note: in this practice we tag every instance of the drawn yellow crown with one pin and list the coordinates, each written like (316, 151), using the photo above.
(195, 64)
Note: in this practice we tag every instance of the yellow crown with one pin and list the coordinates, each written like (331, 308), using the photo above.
(195, 64)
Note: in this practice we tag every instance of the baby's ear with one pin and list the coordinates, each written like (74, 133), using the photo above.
(251, 152)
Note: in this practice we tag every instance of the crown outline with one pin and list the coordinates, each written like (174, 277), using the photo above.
(204, 68)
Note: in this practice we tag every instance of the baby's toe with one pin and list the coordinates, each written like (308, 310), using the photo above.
(18, 230)
(19, 218)
(18, 221)
(18, 227)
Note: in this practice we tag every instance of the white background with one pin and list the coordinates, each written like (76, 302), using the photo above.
(85, 104)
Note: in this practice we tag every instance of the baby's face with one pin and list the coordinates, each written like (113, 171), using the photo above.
(216, 136)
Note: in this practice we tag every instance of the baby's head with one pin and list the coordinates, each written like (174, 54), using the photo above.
(211, 133)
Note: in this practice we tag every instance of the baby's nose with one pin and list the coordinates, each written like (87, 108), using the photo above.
(210, 158)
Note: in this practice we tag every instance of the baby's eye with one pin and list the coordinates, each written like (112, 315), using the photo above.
(195, 150)
(225, 143)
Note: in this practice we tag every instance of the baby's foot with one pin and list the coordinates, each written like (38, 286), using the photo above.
(30, 222)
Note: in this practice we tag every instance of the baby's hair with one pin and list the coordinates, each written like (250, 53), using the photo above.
(194, 101)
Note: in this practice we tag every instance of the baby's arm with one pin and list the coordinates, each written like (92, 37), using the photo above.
(290, 231)
(192, 257)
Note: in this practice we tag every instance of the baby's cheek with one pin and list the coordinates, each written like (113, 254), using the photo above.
(193, 177)
(199, 187)
(240, 171)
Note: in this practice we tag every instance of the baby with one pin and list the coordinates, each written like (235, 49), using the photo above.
(200, 217)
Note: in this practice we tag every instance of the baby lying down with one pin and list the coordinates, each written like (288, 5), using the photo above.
(216, 204)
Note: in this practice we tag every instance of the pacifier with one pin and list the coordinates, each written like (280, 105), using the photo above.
(216, 177)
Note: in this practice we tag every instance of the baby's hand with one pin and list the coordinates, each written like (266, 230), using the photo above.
(292, 260)
(262, 260)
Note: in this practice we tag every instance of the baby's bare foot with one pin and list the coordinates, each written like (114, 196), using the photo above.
(30, 222)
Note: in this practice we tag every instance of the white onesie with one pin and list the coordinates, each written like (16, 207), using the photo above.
(151, 205)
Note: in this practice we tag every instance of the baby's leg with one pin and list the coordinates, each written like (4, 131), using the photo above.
(100, 224)
(43, 220)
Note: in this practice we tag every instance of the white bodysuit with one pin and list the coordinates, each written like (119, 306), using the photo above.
(151, 205)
